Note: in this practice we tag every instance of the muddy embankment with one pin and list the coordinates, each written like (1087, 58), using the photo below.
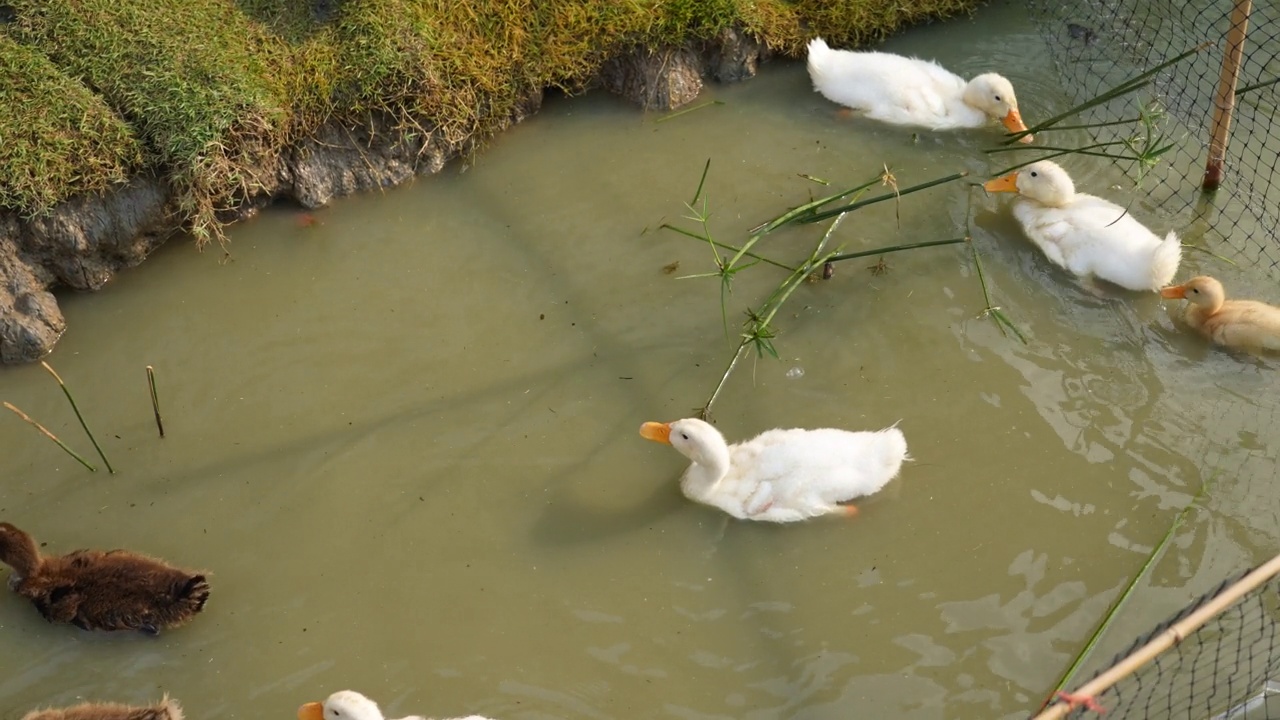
(83, 242)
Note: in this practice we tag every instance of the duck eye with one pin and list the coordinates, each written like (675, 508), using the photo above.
(997, 98)
(1033, 173)
(1196, 291)
(683, 435)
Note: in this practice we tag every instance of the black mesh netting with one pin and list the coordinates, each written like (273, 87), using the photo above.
(1229, 669)
(1098, 44)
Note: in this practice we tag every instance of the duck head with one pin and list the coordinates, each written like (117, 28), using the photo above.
(1044, 181)
(1202, 290)
(993, 95)
(18, 550)
(342, 705)
(695, 439)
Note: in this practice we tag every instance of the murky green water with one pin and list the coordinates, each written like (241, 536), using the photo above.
(404, 439)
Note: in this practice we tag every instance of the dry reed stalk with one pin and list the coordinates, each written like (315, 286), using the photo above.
(51, 436)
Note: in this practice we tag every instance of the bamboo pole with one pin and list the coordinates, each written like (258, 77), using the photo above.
(1168, 638)
(1225, 100)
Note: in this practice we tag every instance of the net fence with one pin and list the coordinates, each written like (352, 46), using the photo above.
(1098, 44)
(1226, 669)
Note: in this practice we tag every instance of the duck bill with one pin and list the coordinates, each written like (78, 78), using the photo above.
(1177, 292)
(1013, 123)
(1005, 183)
(655, 431)
(311, 711)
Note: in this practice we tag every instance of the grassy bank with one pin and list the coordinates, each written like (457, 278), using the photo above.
(208, 92)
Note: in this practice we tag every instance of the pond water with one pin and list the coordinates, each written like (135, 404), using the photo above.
(404, 438)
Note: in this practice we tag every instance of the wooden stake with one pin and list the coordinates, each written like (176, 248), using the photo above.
(1167, 639)
(1225, 100)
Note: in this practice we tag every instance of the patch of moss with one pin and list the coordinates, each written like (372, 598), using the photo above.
(59, 138)
(215, 89)
(188, 76)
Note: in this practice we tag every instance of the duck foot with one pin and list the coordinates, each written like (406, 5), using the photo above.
(849, 510)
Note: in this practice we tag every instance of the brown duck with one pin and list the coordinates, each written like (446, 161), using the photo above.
(166, 709)
(96, 590)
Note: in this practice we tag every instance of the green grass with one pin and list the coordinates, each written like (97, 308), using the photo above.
(74, 143)
(208, 92)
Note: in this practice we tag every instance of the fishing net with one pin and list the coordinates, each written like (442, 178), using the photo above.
(1226, 669)
(1097, 45)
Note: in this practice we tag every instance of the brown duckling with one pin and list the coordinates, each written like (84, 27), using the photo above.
(166, 709)
(96, 590)
(1245, 324)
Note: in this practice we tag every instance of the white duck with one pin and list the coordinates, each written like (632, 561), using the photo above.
(351, 705)
(1085, 234)
(908, 91)
(782, 475)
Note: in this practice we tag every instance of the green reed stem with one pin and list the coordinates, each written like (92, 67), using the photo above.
(79, 417)
(1002, 321)
(686, 111)
(1123, 88)
(893, 248)
(51, 436)
(795, 213)
(815, 217)
(760, 320)
(1257, 86)
(1111, 613)
(155, 399)
(1049, 148)
(701, 181)
(726, 246)
(1050, 156)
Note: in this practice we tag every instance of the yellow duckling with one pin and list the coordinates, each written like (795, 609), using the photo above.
(908, 91)
(1242, 324)
(166, 709)
(1085, 234)
(782, 475)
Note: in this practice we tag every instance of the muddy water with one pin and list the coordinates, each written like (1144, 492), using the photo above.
(403, 439)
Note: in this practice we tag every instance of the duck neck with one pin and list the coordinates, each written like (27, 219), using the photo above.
(706, 471)
(18, 550)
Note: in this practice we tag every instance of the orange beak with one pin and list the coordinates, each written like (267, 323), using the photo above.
(1013, 123)
(655, 431)
(1177, 292)
(311, 711)
(1005, 183)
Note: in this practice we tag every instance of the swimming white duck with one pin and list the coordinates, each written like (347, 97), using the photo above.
(1085, 234)
(1245, 324)
(909, 91)
(351, 705)
(782, 475)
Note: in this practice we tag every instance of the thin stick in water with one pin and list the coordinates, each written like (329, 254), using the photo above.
(155, 401)
(52, 437)
(80, 417)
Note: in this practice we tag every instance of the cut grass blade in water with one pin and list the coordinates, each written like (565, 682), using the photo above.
(686, 111)
(155, 400)
(83, 424)
(45, 431)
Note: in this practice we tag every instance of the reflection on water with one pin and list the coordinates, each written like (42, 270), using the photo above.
(404, 439)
